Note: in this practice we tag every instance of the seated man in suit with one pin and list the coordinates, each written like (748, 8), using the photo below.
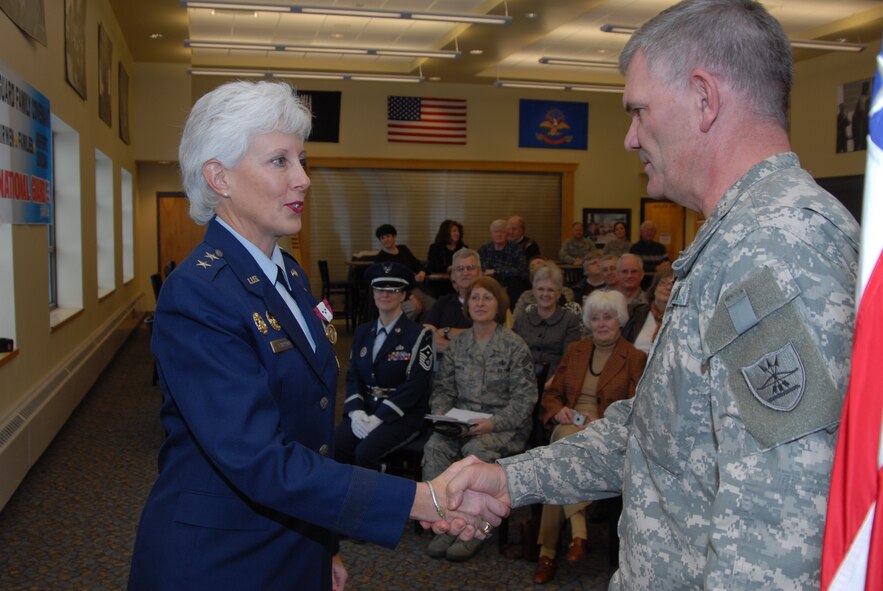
(388, 380)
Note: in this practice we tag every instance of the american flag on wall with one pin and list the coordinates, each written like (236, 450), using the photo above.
(426, 120)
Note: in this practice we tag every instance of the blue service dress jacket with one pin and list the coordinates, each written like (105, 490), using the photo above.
(404, 363)
(247, 497)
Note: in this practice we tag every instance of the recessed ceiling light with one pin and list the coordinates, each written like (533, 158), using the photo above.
(156, 35)
(435, 78)
(337, 35)
(530, 15)
(476, 51)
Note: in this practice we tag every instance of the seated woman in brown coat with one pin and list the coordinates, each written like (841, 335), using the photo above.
(594, 373)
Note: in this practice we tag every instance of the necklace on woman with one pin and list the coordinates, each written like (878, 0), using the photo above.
(592, 363)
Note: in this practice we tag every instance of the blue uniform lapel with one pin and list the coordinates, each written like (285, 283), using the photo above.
(255, 281)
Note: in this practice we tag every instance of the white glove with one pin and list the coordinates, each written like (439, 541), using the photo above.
(358, 423)
(371, 422)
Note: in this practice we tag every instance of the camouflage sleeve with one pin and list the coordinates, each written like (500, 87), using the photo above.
(586, 465)
(565, 255)
(777, 343)
(522, 387)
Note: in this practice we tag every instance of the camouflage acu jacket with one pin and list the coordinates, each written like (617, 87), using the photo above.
(724, 455)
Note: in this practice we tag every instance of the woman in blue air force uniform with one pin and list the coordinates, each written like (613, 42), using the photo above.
(389, 375)
(246, 496)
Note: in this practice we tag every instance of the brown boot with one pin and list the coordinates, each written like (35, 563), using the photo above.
(576, 550)
(545, 570)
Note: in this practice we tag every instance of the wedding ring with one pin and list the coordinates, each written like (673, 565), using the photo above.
(487, 528)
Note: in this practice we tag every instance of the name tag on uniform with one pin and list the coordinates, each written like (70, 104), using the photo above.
(280, 345)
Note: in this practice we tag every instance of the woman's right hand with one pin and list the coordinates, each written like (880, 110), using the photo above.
(564, 416)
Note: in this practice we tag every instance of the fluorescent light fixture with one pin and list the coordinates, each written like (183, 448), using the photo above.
(383, 51)
(473, 19)
(195, 44)
(325, 49)
(796, 43)
(308, 75)
(557, 86)
(622, 29)
(827, 45)
(566, 61)
(449, 17)
(247, 6)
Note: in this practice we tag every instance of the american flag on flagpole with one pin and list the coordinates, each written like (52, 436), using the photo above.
(426, 120)
(852, 555)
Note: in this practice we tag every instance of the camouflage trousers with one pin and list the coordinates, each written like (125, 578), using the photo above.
(441, 451)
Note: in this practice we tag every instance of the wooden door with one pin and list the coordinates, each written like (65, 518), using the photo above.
(178, 234)
(669, 220)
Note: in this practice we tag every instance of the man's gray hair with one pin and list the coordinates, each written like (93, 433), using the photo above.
(737, 40)
(222, 125)
(465, 253)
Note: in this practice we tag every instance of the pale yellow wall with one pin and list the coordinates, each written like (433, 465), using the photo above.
(814, 110)
(40, 350)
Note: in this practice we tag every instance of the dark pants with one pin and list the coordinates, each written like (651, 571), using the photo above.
(368, 452)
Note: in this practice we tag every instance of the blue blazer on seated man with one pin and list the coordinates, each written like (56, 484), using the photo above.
(247, 497)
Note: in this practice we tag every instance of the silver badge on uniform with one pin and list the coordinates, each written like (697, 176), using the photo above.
(363, 352)
(778, 379)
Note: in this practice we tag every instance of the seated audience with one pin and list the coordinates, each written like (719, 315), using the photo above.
(594, 372)
(486, 369)
(505, 261)
(446, 317)
(577, 247)
(593, 278)
(645, 320)
(545, 326)
(515, 232)
(419, 300)
(631, 271)
(619, 244)
(654, 254)
(448, 240)
(388, 380)
(528, 298)
(609, 264)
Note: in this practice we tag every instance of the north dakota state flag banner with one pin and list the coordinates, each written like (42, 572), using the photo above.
(553, 124)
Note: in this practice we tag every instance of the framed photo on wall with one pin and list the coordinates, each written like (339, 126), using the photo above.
(105, 59)
(75, 45)
(599, 222)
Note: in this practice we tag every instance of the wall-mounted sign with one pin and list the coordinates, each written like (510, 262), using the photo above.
(25, 152)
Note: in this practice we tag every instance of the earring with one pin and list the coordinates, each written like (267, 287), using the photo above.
(227, 195)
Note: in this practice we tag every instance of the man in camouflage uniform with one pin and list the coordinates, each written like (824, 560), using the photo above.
(577, 247)
(723, 457)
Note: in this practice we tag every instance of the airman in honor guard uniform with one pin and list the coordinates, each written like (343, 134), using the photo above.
(388, 381)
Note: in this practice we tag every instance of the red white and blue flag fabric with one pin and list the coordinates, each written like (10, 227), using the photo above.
(852, 556)
(420, 120)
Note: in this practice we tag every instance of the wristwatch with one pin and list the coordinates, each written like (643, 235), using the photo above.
(445, 332)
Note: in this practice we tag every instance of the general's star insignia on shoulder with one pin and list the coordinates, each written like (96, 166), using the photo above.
(778, 379)
(203, 264)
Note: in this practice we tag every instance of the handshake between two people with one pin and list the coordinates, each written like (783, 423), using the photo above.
(467, 500)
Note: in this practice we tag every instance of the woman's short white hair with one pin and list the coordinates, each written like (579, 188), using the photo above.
(222, 125)
(606, 300)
